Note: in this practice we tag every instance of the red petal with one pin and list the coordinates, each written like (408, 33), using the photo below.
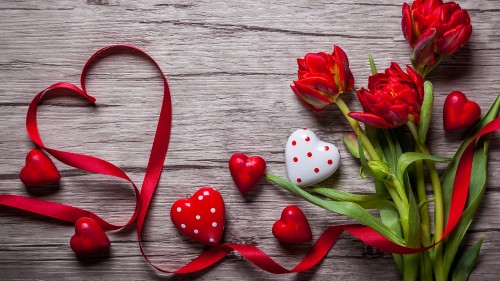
(312, 99)
(316, 62)
(371, 119)
(302, 65)
(350, 84)
(340, 56)
(326, 87)
(362, 94)
(375, 79)
(423, 53)
(399, 114)
(418, 80)
(406, 24)
(453, 40)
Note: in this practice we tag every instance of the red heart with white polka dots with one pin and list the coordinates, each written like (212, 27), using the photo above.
(309, 160)
(200, 217)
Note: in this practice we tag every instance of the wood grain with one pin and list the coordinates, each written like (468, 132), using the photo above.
(229, 66)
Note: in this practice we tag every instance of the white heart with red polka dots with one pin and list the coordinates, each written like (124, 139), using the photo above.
(308, 159)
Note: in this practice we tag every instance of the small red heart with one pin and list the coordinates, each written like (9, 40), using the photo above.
(293, 226)
(459, 112)
(89, 238)
(39, 170)
(246, 171)
(200, 217)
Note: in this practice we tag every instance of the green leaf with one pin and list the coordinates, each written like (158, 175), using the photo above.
(408, 158)
(372, 64)
(389, 148)
(367, 201)
(412, 239)
(349, 209)
(340, 195)
(467, 262)
(426, 112)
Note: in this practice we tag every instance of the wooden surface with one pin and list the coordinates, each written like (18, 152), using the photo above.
(229, 66)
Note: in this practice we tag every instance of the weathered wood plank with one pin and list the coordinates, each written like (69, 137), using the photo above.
(229, 65)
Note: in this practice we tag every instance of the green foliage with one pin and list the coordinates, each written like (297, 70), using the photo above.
(467, 262)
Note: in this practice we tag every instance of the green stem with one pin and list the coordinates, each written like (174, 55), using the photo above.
(436, 184)
(402, 205)
(357, 128)
(425, 261)
(424, 210)
(438, 203)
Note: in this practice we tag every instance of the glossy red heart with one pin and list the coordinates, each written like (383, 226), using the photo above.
(39, 170)
(246, 171)
(89, 238)
(200, 217)
(293, 226)
(459, 112)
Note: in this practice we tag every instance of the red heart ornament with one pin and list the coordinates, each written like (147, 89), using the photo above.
(246, 171)
(293, 226)
(200, 217)
(39, 170)
(459, 112)
(89, 238)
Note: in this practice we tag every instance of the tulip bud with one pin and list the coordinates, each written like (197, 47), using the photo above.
(380, 169)
(351, 143)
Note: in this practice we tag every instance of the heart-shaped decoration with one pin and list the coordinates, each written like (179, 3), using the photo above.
(293, 226)
(459, 112)
(200, 217)
(246, 171)
(309, 160)
(89, 238)
(39, 170)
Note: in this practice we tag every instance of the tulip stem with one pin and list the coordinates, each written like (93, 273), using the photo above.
(357, 128)
(438, 203)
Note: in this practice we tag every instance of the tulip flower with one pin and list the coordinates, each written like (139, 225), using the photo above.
(322, 78)
(392, 99)
(434, 30)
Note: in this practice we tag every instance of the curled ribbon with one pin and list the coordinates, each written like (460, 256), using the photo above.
(153, 171)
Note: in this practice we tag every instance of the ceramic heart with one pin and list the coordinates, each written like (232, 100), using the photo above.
(459, 112)
(308, 159)
(246, 171)
(39, 170)
(200, 217)
(293, 226)
(89, 238)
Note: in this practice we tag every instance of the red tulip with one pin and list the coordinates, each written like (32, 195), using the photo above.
(322, 78)
(393, 98)
(434, 30)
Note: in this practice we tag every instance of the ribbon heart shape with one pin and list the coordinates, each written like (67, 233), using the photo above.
(154, 168)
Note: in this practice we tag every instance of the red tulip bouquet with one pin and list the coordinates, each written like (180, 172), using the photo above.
(397, 108)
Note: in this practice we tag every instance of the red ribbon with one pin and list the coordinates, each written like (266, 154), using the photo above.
(155, 165)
